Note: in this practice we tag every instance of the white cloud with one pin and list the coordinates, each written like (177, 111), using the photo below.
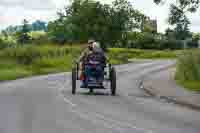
(60, 3)
(15, 15)
(195, 21)
(29, 4)
(12, 12)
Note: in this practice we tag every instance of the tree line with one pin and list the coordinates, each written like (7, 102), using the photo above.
(84, 19)
(37, 25)
(117, 24)
(113, 24)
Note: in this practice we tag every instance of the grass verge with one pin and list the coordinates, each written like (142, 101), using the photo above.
(124, 53)
(190, 85)
(188, 69)
(11, 70)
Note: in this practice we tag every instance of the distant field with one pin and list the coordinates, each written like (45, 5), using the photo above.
(32, 60)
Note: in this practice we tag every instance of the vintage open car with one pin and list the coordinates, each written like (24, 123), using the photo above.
(94, 75)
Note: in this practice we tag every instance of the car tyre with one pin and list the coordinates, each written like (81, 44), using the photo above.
(74, 77)
(113, 81)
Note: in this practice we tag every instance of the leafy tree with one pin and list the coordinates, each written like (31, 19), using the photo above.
(10, 29)
(182, 31)
(179, 18)
(192, 5)
(169, 33)
(84, 19)
(39, 25)
(196, 36)
(125, 19)
(4, 34)
(149, 26)
(23, 36)
(60, 33)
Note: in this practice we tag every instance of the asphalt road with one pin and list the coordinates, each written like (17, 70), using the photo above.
(45, 105)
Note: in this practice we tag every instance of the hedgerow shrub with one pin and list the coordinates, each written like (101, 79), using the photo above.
(188, 66)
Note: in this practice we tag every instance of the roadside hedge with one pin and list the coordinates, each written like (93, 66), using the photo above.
(157, 44)
(188, 66)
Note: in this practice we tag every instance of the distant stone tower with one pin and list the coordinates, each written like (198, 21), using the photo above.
(150, 25)
(154, 25)
(199, 44)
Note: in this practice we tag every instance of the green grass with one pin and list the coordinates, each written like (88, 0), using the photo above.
(23, 61)
(11, 70)
(143, 54)
(52, 65)
(188, 69)
(15, 73)
(190, 85)
(37, 34)
(32, 60)
(188, 66)
(122, 55)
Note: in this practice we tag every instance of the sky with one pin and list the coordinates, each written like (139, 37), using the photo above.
(12, 12)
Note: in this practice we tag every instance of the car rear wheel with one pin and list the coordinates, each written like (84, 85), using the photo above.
(113, 81)
(91, 90)
(74, 75)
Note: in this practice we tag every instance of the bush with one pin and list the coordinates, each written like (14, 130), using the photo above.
(171, 44)
(151, 41)
(2, 44)
(7, 43)
(145, 41)
(193, 44)
(39, 37)
(188, 66)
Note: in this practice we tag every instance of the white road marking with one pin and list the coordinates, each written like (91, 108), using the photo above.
(108, 122)
(119, 123)
(95, 121)
(69, 102)
(61, 88)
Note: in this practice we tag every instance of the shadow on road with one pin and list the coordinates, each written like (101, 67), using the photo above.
(95, 93)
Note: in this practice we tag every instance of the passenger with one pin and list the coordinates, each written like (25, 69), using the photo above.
(99, 53)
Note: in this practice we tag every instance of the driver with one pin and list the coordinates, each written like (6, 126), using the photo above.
(87, 51)
(83, 60)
